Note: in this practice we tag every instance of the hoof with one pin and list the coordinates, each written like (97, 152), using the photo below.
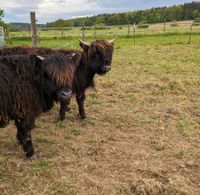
(30, 153)
(67, 109)
(19, 142)
(83, 117)
(36, 155)
(62, 118)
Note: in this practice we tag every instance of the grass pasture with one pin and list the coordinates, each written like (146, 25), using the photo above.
(142, 134)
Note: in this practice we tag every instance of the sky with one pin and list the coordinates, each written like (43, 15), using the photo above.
(51, 10)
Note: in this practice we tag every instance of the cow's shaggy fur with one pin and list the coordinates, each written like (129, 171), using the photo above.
(28, 87)
(95, 57)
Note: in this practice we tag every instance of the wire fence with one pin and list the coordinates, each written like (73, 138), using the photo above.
(183, 27)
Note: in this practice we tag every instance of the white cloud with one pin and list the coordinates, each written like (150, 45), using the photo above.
(49, 10)
(46, 10)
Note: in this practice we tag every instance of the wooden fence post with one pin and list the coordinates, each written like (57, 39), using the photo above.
(83, 31)
(95, 31)
(33, 29)
(29, 31)
(62, 32)
(190, 35)
(95, 27)
(128, 30)
(134, 29)
(8, 37)
(164, 29)
(2, 37)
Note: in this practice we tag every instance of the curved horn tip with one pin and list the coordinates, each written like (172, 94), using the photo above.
(40, 57)
(112, 40)
(84, 42)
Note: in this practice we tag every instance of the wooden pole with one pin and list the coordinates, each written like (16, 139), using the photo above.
(95, 31)
(128, 30)
(95, 27)
(29, 31)
(190, 35)
(62, 32)
(134, 29)
(164, 29)
(83, 31)
(33, 29)
(8, 37)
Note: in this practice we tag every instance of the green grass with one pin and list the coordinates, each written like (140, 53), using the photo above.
(143, 123)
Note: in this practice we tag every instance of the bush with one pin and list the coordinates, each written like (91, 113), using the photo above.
(143, 26)
(174, 24)
(102, 28)
(196, 22)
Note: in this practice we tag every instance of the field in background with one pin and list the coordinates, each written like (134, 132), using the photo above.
(142, 131)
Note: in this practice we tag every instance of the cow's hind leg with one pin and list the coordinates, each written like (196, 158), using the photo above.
(24, 127)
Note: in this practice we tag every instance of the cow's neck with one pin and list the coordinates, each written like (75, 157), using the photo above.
(46, 98)
(88, 74)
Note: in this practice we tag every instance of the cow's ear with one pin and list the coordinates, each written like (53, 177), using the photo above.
(84, 45)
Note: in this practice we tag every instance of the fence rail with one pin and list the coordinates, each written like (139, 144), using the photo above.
(83, 32)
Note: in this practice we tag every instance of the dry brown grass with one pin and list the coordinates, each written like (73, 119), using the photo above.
(141, 135)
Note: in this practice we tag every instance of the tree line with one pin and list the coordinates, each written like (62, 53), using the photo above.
(2, 23)
(187, 11)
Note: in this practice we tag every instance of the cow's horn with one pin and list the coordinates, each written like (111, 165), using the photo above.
(40, 57)
(111, 41)
(84, 43)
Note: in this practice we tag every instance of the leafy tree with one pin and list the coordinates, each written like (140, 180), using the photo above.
(186, 11)
(2, 23)
(196, 14)
(60, 23)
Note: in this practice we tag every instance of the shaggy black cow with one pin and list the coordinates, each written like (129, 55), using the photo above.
(95, 58)
(29, 85)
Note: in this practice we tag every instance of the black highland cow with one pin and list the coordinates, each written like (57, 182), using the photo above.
(29, 86)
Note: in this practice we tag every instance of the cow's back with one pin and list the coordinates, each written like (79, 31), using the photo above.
(18, 89)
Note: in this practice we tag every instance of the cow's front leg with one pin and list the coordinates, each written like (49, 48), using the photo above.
(24, 127)
(80, 98)
(64, 106)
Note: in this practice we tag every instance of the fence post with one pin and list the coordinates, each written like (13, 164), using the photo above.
(128, 30)
(95, 27)
(33, 28)
(190, 34)
(29, 31)
(134, 29)
(62, 32)
(164, 29)
(8, 37)
(2, 37)
(83, 31)
(95, 31)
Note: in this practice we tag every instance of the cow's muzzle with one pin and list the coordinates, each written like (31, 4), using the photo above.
(106, 68)
(65, 94)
